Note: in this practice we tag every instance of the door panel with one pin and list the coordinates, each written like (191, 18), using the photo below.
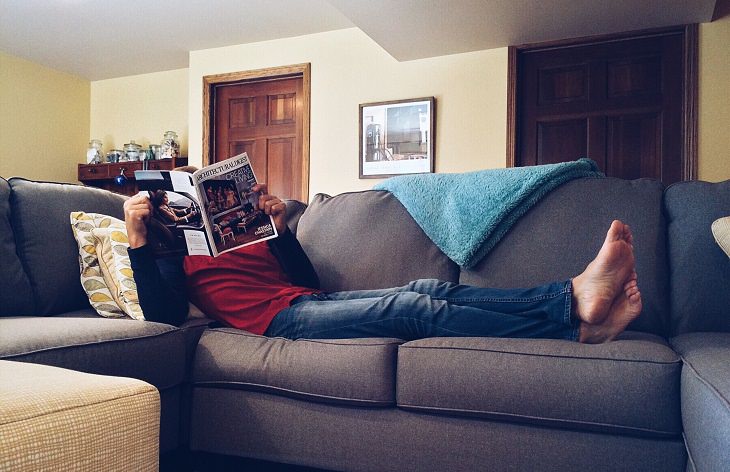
(563, 84)
(239, 147)
(634, 145)
(242, 113)
(282, 161)
(555, 140)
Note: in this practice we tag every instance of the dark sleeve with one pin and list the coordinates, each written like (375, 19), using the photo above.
(160, 286)
(294, 260)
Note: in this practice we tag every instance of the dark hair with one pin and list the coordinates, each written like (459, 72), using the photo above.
(188, 169)
(157, 197)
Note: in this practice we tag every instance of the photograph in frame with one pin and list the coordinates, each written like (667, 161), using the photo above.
(397, 137)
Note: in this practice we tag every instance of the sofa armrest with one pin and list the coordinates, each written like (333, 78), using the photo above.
(705, 396)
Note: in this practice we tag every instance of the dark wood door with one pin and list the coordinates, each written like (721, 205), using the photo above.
(618, 102)
(265, 120)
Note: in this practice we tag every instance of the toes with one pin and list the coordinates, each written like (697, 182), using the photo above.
(635, 297)
(615, 231)
(629, 236)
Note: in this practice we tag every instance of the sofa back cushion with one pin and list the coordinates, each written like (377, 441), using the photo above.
(45, 243)
(700, 270)
(560, 235)
(294, 211)
(16, 297)
(367, 240)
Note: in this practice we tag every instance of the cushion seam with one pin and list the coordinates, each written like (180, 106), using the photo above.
(261, 387)
(712, 388)
(92, 343)
(592, 358)
(312, 341)
(540, 418)
(690, 459)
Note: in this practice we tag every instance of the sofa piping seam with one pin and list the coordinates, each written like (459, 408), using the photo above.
(530, 354)
(545, 420)
(712, 388)
(690, 459)
(313, 341)
(91, 343)
(254, 387)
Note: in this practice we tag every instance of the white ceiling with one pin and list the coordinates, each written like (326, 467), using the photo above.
(99, 39)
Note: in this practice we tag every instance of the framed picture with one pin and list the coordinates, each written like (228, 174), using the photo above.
(397, 137)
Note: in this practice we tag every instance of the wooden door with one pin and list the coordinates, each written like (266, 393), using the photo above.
(618, 102)
(267, 116)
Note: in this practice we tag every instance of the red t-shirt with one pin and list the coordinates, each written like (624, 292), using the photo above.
(244, 288)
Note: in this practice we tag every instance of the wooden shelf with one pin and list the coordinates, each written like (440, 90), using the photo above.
(102, 175)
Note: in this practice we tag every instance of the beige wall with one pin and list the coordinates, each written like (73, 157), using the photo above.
(140, 108)
(348, 69)
(44, 121)
(714, 101)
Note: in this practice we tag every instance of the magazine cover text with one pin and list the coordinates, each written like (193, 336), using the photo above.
(231, 205)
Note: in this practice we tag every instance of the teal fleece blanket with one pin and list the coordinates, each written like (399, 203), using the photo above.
(466, 214)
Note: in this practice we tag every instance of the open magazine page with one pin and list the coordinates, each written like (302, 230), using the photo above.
(231, 206)
(176, 227)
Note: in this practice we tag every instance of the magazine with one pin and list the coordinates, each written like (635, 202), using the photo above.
(209, 212)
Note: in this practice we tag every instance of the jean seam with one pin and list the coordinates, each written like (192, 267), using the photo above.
(568, 290)
(571, 336)
(462, 334)
(503, 300)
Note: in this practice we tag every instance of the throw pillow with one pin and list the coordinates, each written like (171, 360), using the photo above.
(111, 248)
(721, 231)
(104, 265)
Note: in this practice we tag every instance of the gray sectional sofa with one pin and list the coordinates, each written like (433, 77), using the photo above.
(655, 399)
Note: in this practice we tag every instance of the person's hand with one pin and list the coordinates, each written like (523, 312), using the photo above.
(137, 212)
(273, 206)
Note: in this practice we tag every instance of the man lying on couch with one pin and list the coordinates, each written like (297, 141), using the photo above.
(271, 289)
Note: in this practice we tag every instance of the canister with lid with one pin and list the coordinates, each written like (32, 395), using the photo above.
(94, 154)
(170, 146)
(131, 150)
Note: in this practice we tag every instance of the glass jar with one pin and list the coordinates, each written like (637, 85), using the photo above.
(155, 151)
(94, 154)
(131, 150)
(170, 146)
(115, 155)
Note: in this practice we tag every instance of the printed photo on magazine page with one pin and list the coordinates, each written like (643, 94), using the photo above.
(231, 206)
(176, 227)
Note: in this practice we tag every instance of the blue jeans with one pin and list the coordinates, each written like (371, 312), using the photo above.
(428, 308)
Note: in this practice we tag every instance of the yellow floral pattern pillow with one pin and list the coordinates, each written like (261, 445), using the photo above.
(106, 274)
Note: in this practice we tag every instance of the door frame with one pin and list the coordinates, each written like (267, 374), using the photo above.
(689, 101)
(252, 76)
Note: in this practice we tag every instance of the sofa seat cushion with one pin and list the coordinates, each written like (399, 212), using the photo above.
(152, 352)
(629, 386)
(706, 398)
(349, 371)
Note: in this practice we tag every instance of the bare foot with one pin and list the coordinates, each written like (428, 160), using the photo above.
(625, 308)
(595, 290)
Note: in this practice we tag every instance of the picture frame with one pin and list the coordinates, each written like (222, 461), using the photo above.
(397, 137)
